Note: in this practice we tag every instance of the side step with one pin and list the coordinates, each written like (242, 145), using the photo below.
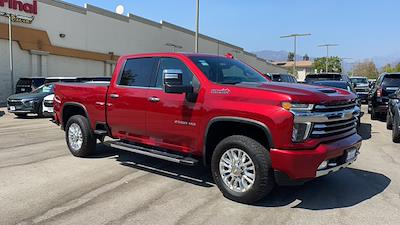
(152, 153)
(100, 132)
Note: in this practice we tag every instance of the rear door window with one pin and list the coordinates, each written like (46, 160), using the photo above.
(137, 72)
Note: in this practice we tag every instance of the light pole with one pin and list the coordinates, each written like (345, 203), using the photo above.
(14, 18)
(294, 36)
(196, 41)
(327, 54)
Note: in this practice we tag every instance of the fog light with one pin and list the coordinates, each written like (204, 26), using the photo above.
(323, 165)
(301, 131)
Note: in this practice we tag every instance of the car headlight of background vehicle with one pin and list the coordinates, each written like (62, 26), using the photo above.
(301, 131)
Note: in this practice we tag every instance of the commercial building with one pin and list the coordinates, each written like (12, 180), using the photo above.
(303, 67)
(69, 40)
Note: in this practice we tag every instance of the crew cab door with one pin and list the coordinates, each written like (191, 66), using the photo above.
(127, 99)
(172, 119)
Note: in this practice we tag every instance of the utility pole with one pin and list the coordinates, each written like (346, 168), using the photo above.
(196, 45)
(11, 53)
(294, 36)
(327, 54)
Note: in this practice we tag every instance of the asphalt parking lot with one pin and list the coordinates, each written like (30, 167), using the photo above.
(42, 183)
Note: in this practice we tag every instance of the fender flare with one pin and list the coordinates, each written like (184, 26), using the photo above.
(77, 104)
(257, 123)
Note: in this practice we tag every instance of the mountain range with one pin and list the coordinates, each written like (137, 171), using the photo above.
(379, 61)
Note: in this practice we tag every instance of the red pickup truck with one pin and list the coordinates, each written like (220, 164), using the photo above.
(187, 108)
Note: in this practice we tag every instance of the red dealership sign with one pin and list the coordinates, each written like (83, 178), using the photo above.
(19, 5)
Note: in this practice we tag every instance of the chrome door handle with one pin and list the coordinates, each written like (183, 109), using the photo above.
(154, 99)
(114, 95)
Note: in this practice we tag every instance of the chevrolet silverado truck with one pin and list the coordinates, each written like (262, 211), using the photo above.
(191, 108)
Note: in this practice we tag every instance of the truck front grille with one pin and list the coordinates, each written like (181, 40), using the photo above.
(340, 118)
(333, 128)
(334, 107)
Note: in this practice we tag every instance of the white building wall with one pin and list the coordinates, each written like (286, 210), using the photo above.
(97, 30)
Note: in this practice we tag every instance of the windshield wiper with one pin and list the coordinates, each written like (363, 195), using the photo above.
(231, 82)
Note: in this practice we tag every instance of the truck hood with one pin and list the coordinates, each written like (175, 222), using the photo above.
(303, 93)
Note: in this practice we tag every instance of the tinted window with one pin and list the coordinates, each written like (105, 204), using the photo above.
(137, 72)
(172, 63)
(359, 80)
(392, 80)
(227, 71)
(277, 78)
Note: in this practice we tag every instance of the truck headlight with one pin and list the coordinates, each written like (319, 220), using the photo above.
(301, 131)
(297, 106)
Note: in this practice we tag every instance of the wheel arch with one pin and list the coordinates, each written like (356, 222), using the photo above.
(70, 109)
(249, 123)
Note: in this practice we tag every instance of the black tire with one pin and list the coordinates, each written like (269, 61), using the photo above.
(264, 180)
(396, 131)
(21, 115)
(374, 115)
(88, 146)
(40, 111)
(389, 121)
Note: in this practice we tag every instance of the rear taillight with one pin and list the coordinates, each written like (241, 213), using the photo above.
(379, 92)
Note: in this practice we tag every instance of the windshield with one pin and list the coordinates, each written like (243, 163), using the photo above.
(227, 71)
(392, 80)
(47, 88)
(359, 80)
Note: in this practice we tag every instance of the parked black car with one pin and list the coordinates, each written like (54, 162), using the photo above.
(393, 116)
(28, 84)
(386, 84)
(280, 77)
(310, 78)
(24, 103)
(361, 86)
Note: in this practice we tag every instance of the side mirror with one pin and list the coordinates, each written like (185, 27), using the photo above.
(173, 82)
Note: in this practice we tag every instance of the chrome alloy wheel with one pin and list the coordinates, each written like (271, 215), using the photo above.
(75, 137)
(237, 170)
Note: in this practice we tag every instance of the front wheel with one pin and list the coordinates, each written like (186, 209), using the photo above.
(241, 168)
(374, 115)
(396, 130)
(389, 121)
(79, 136)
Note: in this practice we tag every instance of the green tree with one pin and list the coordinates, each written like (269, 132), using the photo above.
(290, 56)
(387, 68)
(367, 69)
(334, 64)
(397, 68)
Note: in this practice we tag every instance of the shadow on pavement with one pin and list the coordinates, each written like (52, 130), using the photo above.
(365, 131)
(345, 188)
(196, 175)
(2, 113)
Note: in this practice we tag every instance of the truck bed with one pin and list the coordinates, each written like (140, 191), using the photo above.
(91, 96)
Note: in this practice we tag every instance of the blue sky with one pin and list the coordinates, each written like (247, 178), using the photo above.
(362, 28)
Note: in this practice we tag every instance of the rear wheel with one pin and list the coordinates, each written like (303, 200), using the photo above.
(374, 115)
(389, 121)
(396, 130)
(79, 136)
(241, 168)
